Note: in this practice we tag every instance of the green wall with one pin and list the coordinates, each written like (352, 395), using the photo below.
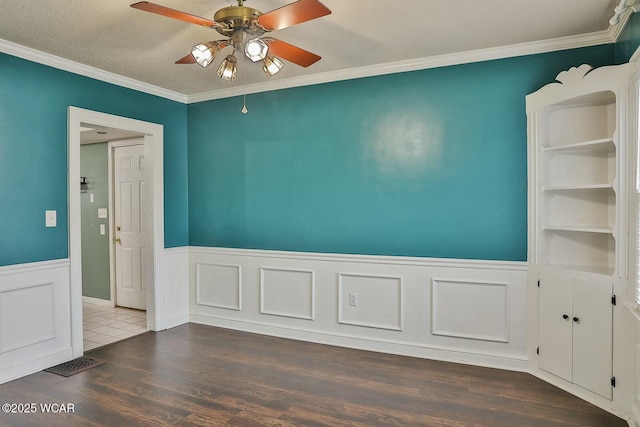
(33, 154)
(95, 247)
(428, 163)
(629, 40)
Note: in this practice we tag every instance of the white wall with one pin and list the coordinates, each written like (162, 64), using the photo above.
(457, 310)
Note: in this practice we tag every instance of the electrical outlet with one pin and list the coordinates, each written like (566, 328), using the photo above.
(353, 299)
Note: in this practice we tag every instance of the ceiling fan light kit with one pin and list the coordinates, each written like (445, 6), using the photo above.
(272, 65)
(227, 69)
(204, 53)
(244, 26)
(256, 50)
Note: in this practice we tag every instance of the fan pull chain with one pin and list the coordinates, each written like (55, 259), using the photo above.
(244, 83)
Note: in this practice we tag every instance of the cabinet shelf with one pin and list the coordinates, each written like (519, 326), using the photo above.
(577, 187)
(580, 229)
(603, 144)
(605, 270)
(578, 245)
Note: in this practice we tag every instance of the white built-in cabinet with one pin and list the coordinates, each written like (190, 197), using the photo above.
(576, 323)
(578, 220)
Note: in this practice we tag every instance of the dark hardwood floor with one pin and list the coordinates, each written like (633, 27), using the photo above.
(196, 375)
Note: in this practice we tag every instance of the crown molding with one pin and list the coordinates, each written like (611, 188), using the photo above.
(480, 55)
(616, 30)
(47, 59)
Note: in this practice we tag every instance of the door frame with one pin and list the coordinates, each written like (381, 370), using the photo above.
(153, 143)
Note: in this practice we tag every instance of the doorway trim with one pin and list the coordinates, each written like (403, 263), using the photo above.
(154, 143)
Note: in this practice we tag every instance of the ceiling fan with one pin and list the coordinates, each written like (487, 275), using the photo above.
(243, 28)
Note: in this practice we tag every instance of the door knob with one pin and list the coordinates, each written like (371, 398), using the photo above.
(116, 240)
(575, 319)
(565, 316)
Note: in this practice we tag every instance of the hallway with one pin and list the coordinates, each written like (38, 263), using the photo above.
(104, 325)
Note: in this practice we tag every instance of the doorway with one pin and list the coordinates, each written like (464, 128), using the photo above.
(152, 141)
(113, 291)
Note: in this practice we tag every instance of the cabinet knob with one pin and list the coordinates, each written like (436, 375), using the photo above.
(575, 319)
(565, 316)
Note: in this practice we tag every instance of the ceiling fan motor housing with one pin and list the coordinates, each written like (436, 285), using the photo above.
(233, 18)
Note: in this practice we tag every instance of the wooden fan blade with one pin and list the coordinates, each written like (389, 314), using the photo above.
(290, 52)
(189, 59)
(292, 14)
(172, 13)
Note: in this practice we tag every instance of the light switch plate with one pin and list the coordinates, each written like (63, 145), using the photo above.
(102, 230)
(50, 218)
(91, 197)
(102, 212)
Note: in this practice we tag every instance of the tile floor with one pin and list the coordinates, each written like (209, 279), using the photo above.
(105, 325)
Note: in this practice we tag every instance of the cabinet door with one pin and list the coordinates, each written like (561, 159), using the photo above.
(592, 336)
(555, 300)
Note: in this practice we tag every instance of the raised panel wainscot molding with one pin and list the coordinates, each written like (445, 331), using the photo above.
(372, 301)
(219, 285)
(287, 292)
(377, 303)
(35, 322)
(21, 328)
(456, 304)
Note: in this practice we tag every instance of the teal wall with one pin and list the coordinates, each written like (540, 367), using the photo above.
(95, 247)
(629, 40)
(428, 163)
(33, 154)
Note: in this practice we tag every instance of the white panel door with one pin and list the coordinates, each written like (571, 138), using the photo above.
(129, 197)
(555, 314)
(593, 336)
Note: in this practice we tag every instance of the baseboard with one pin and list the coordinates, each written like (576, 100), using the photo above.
(172, 322)
(98, 301)
(11, 373)
(489, 360)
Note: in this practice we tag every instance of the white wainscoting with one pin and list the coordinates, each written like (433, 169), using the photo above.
(456, 304)
(176, 286)
(219, 285)
(377, 301)
(457, 310)
(287, 292)
(35, 317)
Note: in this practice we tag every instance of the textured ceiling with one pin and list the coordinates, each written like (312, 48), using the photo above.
(114, 37)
